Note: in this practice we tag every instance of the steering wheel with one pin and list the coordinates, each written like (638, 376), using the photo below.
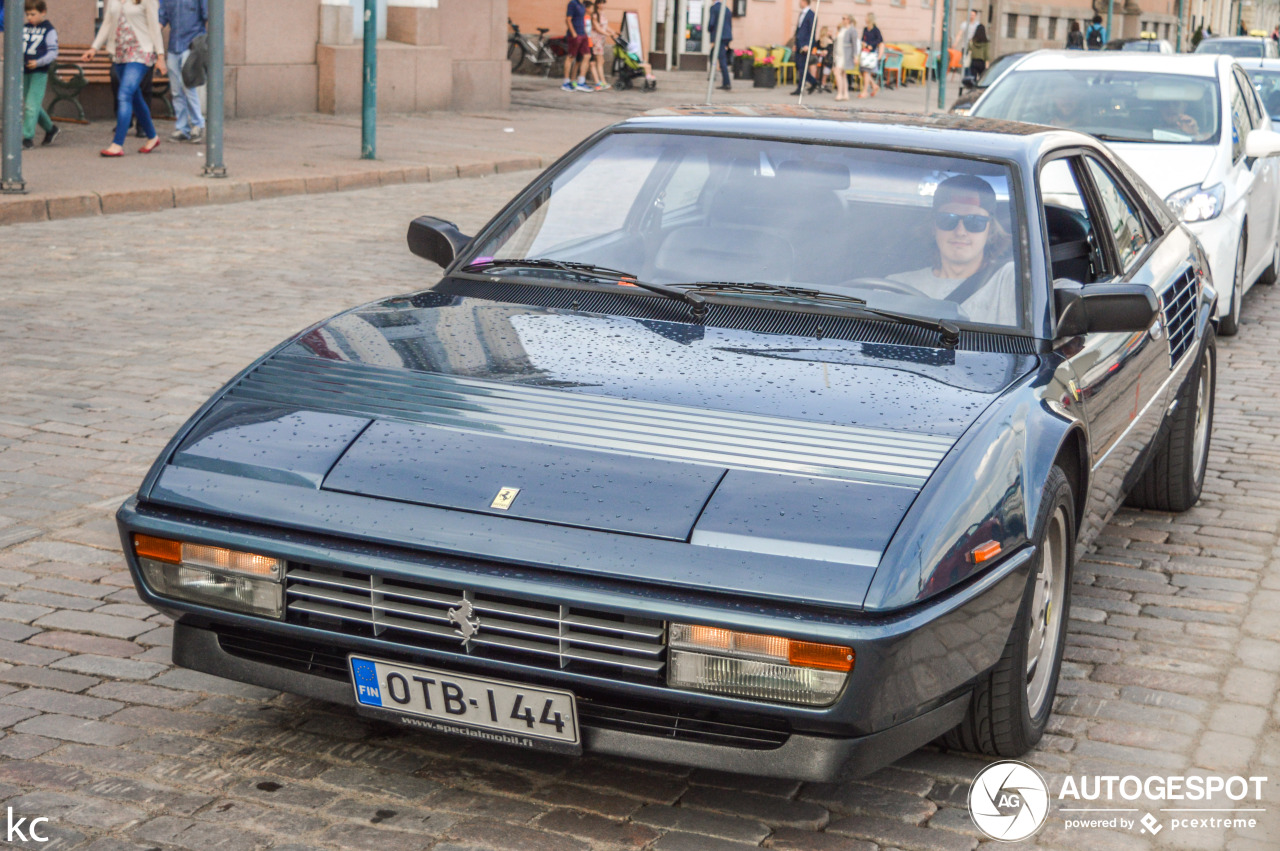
(885, 285)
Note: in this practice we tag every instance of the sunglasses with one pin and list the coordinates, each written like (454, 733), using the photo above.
(973, 223)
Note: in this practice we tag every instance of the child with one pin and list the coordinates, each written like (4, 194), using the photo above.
(40, 41)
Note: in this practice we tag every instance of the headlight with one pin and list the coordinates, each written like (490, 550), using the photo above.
(1196, 203)
(228, 579)
(764, 667)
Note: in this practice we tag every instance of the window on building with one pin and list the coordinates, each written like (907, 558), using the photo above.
(1033, 25)
(1011, 26)
(1053, 29)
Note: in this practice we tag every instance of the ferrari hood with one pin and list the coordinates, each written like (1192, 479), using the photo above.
(740, 447)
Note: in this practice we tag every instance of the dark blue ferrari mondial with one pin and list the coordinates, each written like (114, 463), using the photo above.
(760, 440)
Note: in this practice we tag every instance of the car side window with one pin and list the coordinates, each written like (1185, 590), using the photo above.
(1073, 248)
(1250, 98)
(1239, 121)
(1122, 215)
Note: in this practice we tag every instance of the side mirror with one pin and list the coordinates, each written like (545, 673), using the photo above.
(1262, 143)
(1124, 308)
(436, 240)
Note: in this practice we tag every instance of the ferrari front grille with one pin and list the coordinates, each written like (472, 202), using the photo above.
(465, 621)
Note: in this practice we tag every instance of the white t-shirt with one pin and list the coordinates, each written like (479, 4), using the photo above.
(995, 302)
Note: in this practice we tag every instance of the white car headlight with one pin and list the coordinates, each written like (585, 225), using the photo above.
(1197, 203)
(213, 576)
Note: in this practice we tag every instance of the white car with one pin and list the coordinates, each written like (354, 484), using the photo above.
(1192, 126)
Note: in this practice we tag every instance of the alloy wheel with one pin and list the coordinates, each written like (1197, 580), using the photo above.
(1204, 396)
(1045, 628)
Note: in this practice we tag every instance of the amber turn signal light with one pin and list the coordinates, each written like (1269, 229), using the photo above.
(828, 657)
(984, 552)
(158, 549)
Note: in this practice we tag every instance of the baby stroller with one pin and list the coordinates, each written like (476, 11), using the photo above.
(627, 67)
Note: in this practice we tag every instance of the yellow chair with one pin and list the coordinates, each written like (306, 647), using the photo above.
(913, 62)
(759, 53)
(782, 59)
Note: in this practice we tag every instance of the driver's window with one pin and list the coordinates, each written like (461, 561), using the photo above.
(1072, 245)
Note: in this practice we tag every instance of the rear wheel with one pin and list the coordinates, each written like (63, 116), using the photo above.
(1272, 273)
(515, 55)
(1011, 704)
(1176, 476)
(1229, 322)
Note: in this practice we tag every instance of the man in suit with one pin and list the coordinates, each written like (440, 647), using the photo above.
(713, 22)
(803, 37)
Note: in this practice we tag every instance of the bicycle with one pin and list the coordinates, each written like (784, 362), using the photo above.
(523, 48)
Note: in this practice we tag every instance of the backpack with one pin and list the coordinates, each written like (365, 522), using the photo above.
(1094, 37)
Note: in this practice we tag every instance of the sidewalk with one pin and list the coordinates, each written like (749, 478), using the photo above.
(309, 154)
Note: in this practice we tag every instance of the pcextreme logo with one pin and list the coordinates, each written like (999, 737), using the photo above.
(1009, 800)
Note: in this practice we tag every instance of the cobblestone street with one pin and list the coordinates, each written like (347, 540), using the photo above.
(116, 328)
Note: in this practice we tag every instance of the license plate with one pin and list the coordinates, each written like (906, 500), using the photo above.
(479, 707)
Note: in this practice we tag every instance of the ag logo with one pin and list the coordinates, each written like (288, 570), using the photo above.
(1008, 800)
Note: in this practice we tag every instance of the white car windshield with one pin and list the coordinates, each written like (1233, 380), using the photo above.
(1267, 82)
(1250, 48)
(922, 234)
(1119, 106)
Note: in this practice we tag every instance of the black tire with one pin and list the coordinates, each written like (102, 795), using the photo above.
(1176, 476)
(1000, 720)
(515, 55)
(1229, 322)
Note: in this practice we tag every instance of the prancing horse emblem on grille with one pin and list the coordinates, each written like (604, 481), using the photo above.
(465, 617)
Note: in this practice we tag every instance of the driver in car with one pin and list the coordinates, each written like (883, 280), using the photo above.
(1173, 116)
(971, 250)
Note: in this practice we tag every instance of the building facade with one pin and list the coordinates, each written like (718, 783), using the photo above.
(297, 56)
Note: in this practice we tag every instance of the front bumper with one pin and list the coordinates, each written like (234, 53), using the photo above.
(801, 757)
(912, 677)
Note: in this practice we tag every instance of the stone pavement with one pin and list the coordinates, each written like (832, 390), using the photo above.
(315, 154)
(111, 342)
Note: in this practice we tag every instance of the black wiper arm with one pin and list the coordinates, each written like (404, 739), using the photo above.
(697, 302)
(948, 331)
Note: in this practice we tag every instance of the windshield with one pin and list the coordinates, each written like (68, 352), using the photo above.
(1146, 45)
(684, 209)
(1122, 106)
(997, 68)
(1244, 48)
(1267, 82)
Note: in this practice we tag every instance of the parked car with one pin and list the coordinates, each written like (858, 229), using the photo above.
(971, 91)
(1147, 43)
(1265, 74)
(1190, 125)
(1240, 46)
(660, 473)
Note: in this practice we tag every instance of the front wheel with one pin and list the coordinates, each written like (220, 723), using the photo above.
(1176, 476)
(1229, 322)
(515, 55)
(1010, 705)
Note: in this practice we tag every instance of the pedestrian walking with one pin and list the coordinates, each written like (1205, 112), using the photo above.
(601, 35)
(822, 56)
(1095, 36)
(847, 48)
(578, 56)
(872, 53)
(713, 23)
(130, 32)
(1075, 38)
(979, 47)
(802, 39)
(186, 20)
(40, 48)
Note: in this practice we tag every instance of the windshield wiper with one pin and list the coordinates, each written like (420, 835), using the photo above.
(948, 331)
(697, 302)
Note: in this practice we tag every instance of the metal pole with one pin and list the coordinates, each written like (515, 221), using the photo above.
(715, 47)
(1177, 45)
(1239, 16)
(213, 165)
(1111, 8)
(944, 54)
(369, 120)
(933, 24)
(808, 55)
(11, 173)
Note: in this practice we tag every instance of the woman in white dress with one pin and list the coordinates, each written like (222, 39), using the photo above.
(847, 47)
